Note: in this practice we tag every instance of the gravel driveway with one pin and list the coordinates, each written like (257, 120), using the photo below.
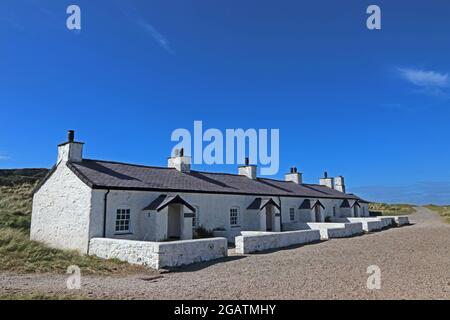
(414, 262)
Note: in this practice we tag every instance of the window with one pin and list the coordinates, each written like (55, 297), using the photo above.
(292, 213)
(123, 220)
(334, 211)
(234, 216)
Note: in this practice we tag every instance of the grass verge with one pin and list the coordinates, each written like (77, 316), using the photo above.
(444, 211)
(391, 209)
(19, 254)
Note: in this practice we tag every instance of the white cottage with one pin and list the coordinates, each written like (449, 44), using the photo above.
(81, 199)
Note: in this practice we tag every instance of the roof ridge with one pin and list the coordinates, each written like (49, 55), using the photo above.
(125, 163)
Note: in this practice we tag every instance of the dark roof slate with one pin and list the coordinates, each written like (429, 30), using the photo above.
(122, 176)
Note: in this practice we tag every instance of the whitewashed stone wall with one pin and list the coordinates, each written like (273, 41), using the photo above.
(61, 208)
(158, 255)
(330, 230)
(253, 241)
(368, 224)
(399, 220)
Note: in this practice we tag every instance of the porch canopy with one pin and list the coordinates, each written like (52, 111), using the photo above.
(261, 203)
(356, 203)
(345, 204)
(164, 200)
(307, 204)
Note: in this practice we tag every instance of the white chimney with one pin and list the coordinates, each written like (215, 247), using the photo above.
(326, 181)
(339, 184)
(70, 150)
(248, 170)
(180, 162)
(294, 176)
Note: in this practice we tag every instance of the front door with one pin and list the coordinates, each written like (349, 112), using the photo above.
(174, 222)
(269, 217)
(318, 213)
(355, 211)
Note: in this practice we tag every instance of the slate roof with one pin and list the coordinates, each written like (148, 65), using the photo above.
(100, 174)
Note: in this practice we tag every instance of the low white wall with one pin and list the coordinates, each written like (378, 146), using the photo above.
(157, 255)
(399, 220)
(252, 241)
(387, 222)
(368, 224)
(334, 230)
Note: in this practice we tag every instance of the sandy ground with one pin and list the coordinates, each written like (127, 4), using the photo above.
(414, 262)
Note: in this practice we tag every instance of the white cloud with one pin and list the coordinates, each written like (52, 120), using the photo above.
(158, 37)
(3, 157)
(425, 79)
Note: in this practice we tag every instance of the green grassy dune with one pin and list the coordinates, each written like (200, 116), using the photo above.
(18, 253)
(444, 211)
(391, 209)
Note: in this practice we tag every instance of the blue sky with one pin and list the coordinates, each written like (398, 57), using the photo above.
(370, 105)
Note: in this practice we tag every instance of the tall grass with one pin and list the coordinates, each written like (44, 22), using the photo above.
(444, 211)
(19, 254)
(391, 209)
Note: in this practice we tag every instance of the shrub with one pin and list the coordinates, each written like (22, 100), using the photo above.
(202, 233)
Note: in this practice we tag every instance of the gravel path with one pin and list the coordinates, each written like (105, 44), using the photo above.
(414, 262)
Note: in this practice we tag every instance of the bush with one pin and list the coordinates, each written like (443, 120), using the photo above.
(203, 233)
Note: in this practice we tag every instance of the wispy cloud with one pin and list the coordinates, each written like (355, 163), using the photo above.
(133, 14)
(428, 81)
(4, 157)
(158, 37)
(12, 23)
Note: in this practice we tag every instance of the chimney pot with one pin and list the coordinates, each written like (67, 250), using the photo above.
(247, 161)
(71, 135)
(325, 174)
(182, 152)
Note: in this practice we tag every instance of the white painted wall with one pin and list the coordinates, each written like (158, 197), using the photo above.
(254, 241)
(60, 214)
(158, 255)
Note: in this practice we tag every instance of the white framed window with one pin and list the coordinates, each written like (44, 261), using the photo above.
(292, 214)
(195, 217)
(123, 220)
(234, 216)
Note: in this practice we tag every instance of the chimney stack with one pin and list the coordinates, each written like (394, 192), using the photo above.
(70, 150)
(339, 184)
(248, 170)
(179, 161)
(294, 176)
(327, 181)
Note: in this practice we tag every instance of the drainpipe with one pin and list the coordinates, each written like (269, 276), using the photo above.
(105, 208)
(281, 215)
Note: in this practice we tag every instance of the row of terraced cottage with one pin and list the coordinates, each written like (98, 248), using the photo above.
(151, 215)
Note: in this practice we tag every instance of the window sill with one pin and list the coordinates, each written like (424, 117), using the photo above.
(234, 227)
(122, 233)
